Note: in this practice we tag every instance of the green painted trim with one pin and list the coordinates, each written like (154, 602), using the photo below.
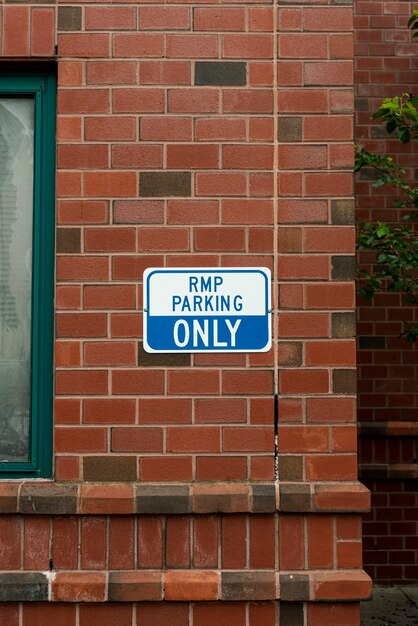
(43, 89)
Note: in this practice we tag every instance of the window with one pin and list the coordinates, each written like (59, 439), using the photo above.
(27, 170)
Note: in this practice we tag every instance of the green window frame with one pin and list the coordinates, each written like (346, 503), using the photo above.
(41, 86)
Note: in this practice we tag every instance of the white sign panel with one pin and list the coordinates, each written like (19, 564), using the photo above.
(207, 309)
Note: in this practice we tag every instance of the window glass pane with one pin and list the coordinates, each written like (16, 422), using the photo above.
(16, 208)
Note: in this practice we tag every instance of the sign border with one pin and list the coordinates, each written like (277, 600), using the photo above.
(264, 271)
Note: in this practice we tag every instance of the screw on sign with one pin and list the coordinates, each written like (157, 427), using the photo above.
(207, 309)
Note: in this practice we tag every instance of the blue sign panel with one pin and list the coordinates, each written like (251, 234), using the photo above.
(207, 310)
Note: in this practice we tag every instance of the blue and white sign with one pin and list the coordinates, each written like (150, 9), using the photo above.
(207, 309)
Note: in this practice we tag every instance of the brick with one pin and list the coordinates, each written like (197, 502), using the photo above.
(138, 45)
(133, 382)
(164, 18)
(196, 100)
(137, 156)
(228, 498)
(169, 360)
(328, 19)
(333, 614)
(83, 101)
(140, 439)
(81, 325)
(221, 468)
(191, 585)
(166, 128)
(23, 587)
(68, 297)
(294, 588)
(173, 613)
(138, 212)
(247, 46)
(130, 267)
(69, 18)
(255, 585)
(110, 128)
(328, 296)
(93, 543)
(70, 73)
(109, 469)
(329, 184)
(135, 586)
(303, 439)
(245, 381)
(109, 353)
(343, 325)
(66, 542)
(291, 614)
(302, 101)
(220, 73)
(150, 542)
(343, 267)
(342, 585)
(165, 72)
(193, 382)
(138, 100)
(109, 18)
(247, 439)
(111, 72)
(16, 31)
(35, 614)
(42, 32)
(68, 184)
(295, 498)
(331, 467)
(193, 212)
(68, 240)
(262, 542)
(161, 499)
(81, 382)
(330, 410)
(83, 156)
(192, 46)
(247, 101)
(83, 45)
(163, 468)
(344, 381)
(304, 381)
(82, 212)
(11, 530)
(255, 157)
(290, 129)
(217, 19)
(220, 613)
(304, 325)
(320, 541)
(79, 586)
(192, 156)
(220, 183)
(290, 468)
(222, 239)
(80, 439)
(233, 541)
(205, 542)
(165, 184)
(164, 410)
(109, 296)
(193, 439)
(106, 614)
(330, 353)
(69, 128)
(303, 46)
(220, 410)
(121, 543)
(110, 184)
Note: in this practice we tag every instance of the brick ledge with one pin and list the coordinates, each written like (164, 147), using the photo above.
(185, 585)
(46, 497)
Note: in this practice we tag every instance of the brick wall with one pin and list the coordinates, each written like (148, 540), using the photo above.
(386, 65)
(189, 134)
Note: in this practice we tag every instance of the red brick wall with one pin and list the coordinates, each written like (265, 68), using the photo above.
(189, 134)
(386, 65)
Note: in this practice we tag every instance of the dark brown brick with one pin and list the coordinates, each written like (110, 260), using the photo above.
(343, 267)
(290, 468)
(255, 585)
(291, 614)
(361, 104)
(289, 354)
(295, 498)
(23, 587)
(343, 324)
(372, 343)
(69, 240)
(160, 184)
(44, 499)
(290, 129)
(226, 73)
(110, 469)
(69, 18)
(294, 587)
(163, 499)
(344, 381)
(135, 586)
(342, 211)
(162, 360)
(264, 498)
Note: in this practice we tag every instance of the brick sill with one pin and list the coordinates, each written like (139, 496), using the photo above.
(46, 497)
(388, 429)
(392, 471)
(185, 586)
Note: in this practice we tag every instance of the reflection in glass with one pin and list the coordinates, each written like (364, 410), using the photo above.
(16, 205)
